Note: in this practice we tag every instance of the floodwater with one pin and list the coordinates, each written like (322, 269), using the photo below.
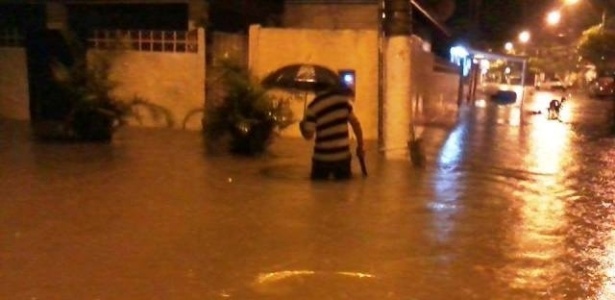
(509, 205)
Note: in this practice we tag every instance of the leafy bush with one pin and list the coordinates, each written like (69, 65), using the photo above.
(245, 115)
(87, 88)
(85, 85)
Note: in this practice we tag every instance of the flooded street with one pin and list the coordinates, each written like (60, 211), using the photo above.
(509, 206)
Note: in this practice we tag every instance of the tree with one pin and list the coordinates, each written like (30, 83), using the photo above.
(597, 45)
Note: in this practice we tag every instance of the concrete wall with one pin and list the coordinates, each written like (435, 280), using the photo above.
(14, 95)
(438, 106)
(331, 16)
(416, 99)
(174, 81)
(272, 48)
(434, 94)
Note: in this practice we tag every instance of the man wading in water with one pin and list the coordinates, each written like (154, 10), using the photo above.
(327, 117)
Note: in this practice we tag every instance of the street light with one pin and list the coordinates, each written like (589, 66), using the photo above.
(554, 17)
(508, 47)
(524, 36)
(603, 21)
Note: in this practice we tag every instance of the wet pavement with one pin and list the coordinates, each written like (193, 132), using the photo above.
(509, 205)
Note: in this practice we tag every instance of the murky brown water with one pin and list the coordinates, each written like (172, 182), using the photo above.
(504, 210)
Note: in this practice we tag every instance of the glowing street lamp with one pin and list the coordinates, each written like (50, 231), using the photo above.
(554, 17)
(508, 47)
(524, 36)
(571, 2)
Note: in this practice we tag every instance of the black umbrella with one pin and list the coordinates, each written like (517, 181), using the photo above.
(304, 77)
(308, 78)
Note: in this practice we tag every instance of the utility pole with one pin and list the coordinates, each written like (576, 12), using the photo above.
(397, 98)
(474, 9)
(398, 18)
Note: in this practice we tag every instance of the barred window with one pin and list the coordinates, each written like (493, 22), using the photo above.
(11, 38)
(144, 40)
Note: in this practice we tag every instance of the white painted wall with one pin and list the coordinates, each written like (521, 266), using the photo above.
(418, 97)
(174, 81)
(273, 48)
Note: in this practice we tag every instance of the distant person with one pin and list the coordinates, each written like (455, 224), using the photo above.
(554, 108)
(327, 117)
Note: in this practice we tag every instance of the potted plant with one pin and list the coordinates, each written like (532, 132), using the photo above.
(94, 112)
(85, 87)
(245, 117)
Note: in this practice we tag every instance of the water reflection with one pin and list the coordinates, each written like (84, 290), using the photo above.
(504, 210)
(448, 185)
(453, 149)
(539, 212)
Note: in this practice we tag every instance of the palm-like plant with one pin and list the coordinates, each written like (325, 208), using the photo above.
(245, 113)
(86, 87)
(94, 111)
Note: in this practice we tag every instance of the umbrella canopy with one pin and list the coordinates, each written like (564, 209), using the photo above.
(304, 77)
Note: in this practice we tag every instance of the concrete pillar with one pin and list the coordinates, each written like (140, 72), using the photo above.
(396, 106)
(397, 93)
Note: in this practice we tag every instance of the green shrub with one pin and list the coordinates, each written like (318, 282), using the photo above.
(245, 116)
(85, 85)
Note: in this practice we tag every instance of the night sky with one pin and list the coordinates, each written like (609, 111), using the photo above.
(498, 20)
(502, 20)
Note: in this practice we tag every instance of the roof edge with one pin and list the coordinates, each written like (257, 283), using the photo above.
(424, 11)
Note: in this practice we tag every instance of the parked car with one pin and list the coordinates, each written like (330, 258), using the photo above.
(602, 87)
(551, 84)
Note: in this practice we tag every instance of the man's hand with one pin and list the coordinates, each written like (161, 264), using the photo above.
(361, 156)
(305, 131)
(360, 151)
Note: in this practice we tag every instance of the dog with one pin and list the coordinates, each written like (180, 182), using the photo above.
(554, 108)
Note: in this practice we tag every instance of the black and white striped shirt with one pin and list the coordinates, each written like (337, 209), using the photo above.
(328, 115)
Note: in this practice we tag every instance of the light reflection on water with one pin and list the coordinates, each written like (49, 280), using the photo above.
(552, 187)
(506, 209)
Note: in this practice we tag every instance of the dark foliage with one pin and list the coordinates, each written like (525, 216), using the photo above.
(246, 116)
